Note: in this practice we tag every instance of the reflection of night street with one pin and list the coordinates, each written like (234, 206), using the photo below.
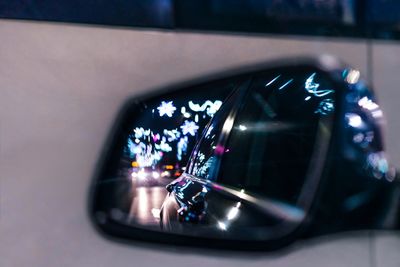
(146, 204)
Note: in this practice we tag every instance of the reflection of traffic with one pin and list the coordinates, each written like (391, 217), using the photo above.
(148, 186)
(154, 175)
(146, 204)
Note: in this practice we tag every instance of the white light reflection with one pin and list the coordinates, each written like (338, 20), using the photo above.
(140, 132)
(242, 128)
(354, 120)
(241, 194)
(228, 125)
(163, 146)
(312, 87)
(208, 106)
(141, 175)
(134, 176)
(370, 105)
(273, 80)
(233, 212)
(155, 175)
(189, 127)
(367, 103)
(166, 108)
(353, 76)
(142, 202)
(155, 213)
(222, 226)
(286, 84)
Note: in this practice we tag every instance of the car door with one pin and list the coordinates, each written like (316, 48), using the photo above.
(61, 85)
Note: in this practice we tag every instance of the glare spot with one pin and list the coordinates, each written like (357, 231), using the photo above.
(155, 213)
(354, 120)
(222, 226)
(353, 76)
(368, 104)
(155, 175)
(242, 128)
(232, 214)
(141, 175)
(227, 125)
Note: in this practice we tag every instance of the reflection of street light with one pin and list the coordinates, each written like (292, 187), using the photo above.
(165, 174)
(155, 175)
(134, 176)
(142, 175)
(155, 213)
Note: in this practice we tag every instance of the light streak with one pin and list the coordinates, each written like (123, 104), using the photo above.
(286, 84)
(273, 80)
(312, 87)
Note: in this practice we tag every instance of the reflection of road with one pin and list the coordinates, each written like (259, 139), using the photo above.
(146, 204)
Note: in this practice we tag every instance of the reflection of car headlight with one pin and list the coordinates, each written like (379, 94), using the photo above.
(165, 174)
(155, 175)
(141, 175)
(134, 176)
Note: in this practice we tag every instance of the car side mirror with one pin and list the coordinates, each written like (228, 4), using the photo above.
(252, 158)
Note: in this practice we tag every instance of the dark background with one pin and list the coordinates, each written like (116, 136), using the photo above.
(357, 18)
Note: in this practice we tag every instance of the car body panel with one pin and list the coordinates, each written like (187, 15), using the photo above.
(386, 68)
(61, 87)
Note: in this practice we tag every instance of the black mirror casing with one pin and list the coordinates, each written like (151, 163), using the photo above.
(335, 149)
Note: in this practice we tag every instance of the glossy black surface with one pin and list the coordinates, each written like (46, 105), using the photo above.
(295, 151)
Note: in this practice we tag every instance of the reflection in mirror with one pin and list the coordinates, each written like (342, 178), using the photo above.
(159, 144)
(155, 144)
(235, 159)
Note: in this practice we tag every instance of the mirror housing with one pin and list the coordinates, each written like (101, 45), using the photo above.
(338, 124)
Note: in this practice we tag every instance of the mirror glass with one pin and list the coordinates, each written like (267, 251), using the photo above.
(234, 159)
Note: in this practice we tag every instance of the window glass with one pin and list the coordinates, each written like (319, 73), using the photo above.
(207, 155)
(383, 18)
(273, 137)
(310, 17)
(149, 13)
